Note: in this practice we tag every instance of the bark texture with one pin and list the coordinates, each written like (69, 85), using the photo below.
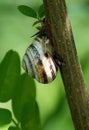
(60, 32)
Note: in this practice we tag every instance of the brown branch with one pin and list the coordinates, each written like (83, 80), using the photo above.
(63, 42)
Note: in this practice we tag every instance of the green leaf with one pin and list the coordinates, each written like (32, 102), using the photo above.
(25, 91)
(41, 11)
(36, 22)
(5, 117)
(28, 11)
(9, 75)
(30, 116)
(13, 128)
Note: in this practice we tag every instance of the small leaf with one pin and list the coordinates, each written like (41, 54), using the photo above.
(41, 11)
(5, 117)
(25, 91)
(9, 75)
(28, 11)
(30, 116)
(36, 22)
(13, 128)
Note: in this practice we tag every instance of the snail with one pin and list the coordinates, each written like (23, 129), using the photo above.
(39, 63)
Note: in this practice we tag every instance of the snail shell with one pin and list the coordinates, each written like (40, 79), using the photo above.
(39, 63)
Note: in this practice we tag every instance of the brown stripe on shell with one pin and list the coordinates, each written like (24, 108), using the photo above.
(51, 67)
(52, 71)
(44, 76)
(30, 65)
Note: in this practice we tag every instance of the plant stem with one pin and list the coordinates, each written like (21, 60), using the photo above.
(16, 124)
(60, 32)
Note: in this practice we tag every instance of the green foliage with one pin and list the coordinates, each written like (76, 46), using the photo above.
(41, 11)
(24, 93)
(21, 90)
(5, 116)
(30, 116)
(28, 11)
(9, 75)
(36, 22)
(13, 128)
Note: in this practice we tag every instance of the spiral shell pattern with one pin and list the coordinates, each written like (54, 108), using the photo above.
(38, 63)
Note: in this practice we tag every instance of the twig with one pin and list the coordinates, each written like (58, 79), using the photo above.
(63, 42)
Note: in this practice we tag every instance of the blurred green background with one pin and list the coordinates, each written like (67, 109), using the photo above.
(15, 33)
